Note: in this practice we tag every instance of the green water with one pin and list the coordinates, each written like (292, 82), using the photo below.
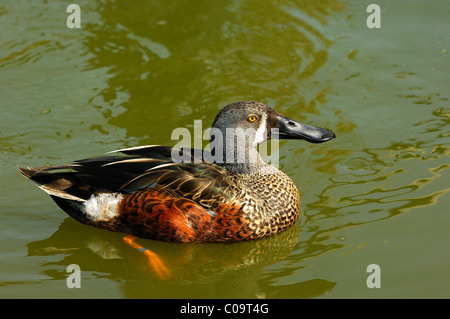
(134, 71)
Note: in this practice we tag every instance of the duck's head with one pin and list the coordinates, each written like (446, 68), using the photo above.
(263, 123)
(245, 124)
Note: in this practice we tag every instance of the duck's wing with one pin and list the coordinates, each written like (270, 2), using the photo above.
(148, 194)
(139, 168)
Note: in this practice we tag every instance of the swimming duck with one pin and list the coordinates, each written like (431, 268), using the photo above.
(226, 195)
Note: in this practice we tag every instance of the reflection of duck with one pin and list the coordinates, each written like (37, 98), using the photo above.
(201, 269)
(198, 270)
(226, 195)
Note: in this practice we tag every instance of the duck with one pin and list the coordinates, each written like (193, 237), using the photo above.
(228, 194)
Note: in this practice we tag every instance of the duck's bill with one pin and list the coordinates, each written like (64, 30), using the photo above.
(290, 129)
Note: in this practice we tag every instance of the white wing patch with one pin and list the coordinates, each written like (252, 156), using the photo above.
(102, 207)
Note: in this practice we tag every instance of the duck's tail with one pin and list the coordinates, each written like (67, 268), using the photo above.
(70, 193)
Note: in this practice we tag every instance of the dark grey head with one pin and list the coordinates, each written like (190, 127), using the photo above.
(260, 123)
(264, 120)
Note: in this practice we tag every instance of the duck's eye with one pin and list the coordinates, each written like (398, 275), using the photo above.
(252, 118)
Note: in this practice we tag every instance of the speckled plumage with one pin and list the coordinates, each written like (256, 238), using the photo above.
(147, 194)
(242, 207)
(270, 201)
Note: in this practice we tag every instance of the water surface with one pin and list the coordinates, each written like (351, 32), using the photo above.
(134, 71)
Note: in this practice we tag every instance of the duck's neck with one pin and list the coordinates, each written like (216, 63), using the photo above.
(238, 156)
(247, 168)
